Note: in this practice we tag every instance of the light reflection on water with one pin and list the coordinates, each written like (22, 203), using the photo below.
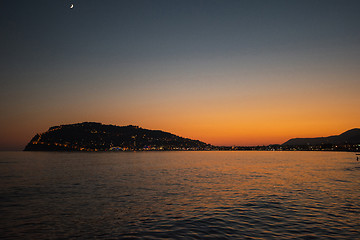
(180, 195)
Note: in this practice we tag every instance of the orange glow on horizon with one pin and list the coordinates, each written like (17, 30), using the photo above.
(220, 112)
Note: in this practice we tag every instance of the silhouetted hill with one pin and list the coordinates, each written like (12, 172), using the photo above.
(349, 137)
(90, 136)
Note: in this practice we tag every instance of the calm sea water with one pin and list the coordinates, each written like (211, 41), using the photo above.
(180, 195)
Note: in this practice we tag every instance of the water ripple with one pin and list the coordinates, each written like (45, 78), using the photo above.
(234, 195)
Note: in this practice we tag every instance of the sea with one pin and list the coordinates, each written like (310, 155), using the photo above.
(179, 195)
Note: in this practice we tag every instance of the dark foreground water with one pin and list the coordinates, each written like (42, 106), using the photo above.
(180, 195)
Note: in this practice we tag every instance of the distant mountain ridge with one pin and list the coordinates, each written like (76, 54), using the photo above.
(349, 137)
(92, 136)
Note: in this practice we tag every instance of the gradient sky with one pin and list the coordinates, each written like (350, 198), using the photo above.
(226, 72)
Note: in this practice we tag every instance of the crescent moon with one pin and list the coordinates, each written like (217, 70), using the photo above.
(72, 6)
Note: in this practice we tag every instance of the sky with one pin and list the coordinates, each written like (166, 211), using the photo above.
(226, 72)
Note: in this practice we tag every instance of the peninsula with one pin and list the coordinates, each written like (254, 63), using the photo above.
(92, 136)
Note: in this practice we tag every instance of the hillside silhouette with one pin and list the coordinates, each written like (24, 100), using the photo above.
(349, 137)
(92, 136)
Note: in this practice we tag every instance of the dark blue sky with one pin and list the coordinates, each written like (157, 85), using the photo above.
(62, 65)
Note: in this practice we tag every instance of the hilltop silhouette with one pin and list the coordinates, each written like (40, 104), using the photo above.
(92, 136)
(349, 137)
